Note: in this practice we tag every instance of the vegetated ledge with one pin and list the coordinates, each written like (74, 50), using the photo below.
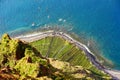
(21, 61)
(51, 33)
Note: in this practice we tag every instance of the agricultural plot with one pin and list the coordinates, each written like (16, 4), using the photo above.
(58, 48)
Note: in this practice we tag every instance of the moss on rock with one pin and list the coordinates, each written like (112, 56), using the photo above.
(10, 51)
(27, 69)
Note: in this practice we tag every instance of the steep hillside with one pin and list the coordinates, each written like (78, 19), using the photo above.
(19, 60)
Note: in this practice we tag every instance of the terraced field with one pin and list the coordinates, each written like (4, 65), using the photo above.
(58, 48)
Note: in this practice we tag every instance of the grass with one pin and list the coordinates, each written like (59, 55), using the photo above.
(58, 48)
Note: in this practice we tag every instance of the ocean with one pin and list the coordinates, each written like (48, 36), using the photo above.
(97, 20)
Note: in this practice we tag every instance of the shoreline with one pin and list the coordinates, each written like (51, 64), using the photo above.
(40, 35)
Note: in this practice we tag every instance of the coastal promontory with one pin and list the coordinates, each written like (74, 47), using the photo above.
(47, 58)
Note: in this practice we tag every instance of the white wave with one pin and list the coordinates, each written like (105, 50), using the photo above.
(60, 19)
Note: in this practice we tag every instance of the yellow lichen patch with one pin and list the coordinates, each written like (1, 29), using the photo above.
(78, 75)
(66, 42)
(26, 68)
(44, 78)
(7, 75)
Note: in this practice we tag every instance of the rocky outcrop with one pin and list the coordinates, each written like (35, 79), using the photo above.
(22, 58)
(19, 60)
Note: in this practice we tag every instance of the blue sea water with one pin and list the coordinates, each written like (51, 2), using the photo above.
(97, 19)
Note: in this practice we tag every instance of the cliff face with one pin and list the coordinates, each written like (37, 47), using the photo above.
(18, 60)
(21, 58)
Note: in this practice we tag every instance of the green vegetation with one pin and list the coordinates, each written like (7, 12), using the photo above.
(18, 57)
(19, 60)
(58, 48)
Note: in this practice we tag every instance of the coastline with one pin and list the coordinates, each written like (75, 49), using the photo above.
(39, 35)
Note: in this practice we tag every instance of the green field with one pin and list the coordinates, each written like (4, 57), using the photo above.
(58, 48)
